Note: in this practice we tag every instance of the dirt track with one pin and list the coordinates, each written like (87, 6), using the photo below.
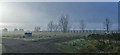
(21, 46)
(41, 46)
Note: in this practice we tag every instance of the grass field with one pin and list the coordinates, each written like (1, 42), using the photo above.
(88, 46)
(94, 43)
(42, 35)
(16, 38)
(69, 42)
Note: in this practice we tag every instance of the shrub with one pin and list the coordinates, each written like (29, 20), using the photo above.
(95, 36)
(113, 36)
(99, 46)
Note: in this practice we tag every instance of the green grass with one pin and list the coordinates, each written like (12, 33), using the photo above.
(66, 49)
(74, 44)
(70, 46)
(86, 46)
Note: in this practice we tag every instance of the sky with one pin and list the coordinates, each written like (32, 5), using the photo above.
(27, 15)
(59, 0)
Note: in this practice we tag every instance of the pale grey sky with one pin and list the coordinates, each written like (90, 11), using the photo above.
(59, 0)
(27, 15)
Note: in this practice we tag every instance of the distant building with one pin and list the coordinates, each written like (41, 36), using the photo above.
(15, 29)
(21, 30)
(5, 30)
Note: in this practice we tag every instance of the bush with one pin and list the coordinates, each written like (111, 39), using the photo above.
(95, 36)
(105, 45)
(96, 46)
(113, 36)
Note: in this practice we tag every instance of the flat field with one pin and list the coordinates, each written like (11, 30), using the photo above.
(58, 42)
(40, 42)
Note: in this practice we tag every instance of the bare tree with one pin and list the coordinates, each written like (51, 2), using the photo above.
(82, 25)
(5, 30)
(64, 23)
(37, 29)
(107, 24)
(56, 27)
(50, 26)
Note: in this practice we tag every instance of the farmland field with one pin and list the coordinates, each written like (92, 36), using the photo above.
(58, 42)
(40, 42)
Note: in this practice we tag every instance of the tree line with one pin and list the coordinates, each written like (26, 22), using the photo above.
(63, 25)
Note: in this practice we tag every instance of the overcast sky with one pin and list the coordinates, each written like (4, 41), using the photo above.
(27, 15)
(59, 0)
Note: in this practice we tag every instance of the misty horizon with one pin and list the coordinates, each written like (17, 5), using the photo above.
(28, 15)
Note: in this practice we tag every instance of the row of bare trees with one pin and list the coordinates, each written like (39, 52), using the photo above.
(63, 25)
(107, 25)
